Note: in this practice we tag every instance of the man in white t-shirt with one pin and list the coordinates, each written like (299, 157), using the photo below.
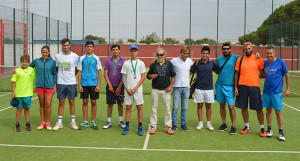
(181, 86)
(66, 64)
(134, 75)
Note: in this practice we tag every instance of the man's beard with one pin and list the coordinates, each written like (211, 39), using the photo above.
(226, 55)
(248, 53)
(160, 60)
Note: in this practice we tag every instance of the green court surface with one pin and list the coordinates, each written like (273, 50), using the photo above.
(89, 144)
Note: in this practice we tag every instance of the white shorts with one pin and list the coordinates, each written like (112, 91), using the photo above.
(137, 98)
(204, 96)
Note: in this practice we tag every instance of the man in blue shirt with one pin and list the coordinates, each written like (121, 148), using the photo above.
(224, 86)
(89, 80)
(275, 69)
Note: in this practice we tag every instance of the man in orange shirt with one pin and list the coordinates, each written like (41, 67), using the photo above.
(246, 81)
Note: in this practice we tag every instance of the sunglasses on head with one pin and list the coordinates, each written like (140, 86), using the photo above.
(226, 48)
(160, 54)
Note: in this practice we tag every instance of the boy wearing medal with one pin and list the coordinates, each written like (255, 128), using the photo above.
(134, 75)
(89, 80)
(114, 88)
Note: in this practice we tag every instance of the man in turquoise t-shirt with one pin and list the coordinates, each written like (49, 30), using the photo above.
(22, 90)
(224, 86)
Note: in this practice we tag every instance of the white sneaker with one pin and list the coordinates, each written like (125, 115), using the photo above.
(269, 133)
(73, 125)
(107, 125)
(209, 127)
(281, 137)
(200, 126)
(58, 126)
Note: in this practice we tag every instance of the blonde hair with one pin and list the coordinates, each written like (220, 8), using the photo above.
(246, 44)
(185, 48)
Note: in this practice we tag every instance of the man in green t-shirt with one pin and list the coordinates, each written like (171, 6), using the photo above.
(22, 90)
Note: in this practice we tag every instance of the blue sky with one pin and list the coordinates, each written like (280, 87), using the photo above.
(176, 24)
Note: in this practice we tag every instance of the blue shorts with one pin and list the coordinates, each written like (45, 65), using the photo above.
(224, 94)
(66, 90)
(24, 102)
(273, 100)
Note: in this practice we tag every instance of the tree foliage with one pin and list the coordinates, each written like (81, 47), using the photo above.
(171, 41)
(286, 16)
(200, 41)
(101, 40)
(152, 38)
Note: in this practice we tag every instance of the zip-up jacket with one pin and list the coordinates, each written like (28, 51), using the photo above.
(45, 72)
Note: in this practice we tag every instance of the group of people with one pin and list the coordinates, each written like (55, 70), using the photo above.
(237, 76)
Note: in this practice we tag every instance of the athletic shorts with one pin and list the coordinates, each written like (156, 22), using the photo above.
(273, 100)
(224, 94)
(44, 91)
(66, 90)
(204, 96)
(112, 99)
(246, 92)
(89, 91)
(137, 98)
(24, 102)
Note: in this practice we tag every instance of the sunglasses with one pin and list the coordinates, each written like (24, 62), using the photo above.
(226, 48)
(160, 54)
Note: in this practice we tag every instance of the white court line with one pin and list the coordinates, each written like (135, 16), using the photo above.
(291, 107)
(5, 94)
(135, 149)
(11, 106)
(146, 140)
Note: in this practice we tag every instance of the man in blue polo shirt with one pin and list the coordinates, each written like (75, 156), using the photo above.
(275, 69)
(204, 91)
(224, 86)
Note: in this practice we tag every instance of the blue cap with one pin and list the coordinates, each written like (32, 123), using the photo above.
(134, 47)
(14, 102)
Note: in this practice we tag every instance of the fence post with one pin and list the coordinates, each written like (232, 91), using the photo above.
(109, 3)
(293, 32)
(136, 22)
(46, 30)
(57, 36)
(280, 37)
(14, 39)
(71, 21)
(217, 29)
(82, 27)
(32, 40)
(163, 23)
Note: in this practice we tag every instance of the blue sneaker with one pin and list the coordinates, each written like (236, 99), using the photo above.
(126, 130)
(141, 132)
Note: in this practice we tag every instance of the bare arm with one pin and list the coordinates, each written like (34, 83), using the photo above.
(139, 84)
(171, 85)
(262, 73)
(110, 88)
(126, 88)
(97, 89)
(13, 86)
(288, 84)
(236, 74)
(79, 81)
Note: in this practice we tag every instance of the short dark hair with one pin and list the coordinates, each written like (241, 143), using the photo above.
(226, 44)
(271, 48)
(63, 41)
(89, 42)
(205, 48)
(115, 46)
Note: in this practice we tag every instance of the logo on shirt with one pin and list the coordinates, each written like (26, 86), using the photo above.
(270, 71)
(65, 66)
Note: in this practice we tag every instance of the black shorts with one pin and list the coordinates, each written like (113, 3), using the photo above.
(246, 92)
(112, 99)
(89, 90)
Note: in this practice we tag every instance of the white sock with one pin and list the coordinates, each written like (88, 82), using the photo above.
(248, 125)
(109, 119)
(60, 119)
(73, 118)
(120, 118)
(262, 126)
(200, 122)
(208, 122)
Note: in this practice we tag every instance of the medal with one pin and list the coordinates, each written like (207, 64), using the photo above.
(115, 65)
(134, 69)
(89, 63)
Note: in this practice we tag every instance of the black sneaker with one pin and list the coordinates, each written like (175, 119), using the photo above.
(28, 127)
(17, 127)
(183, 127)
(233, 130)
(223, 127)
(174, 127)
